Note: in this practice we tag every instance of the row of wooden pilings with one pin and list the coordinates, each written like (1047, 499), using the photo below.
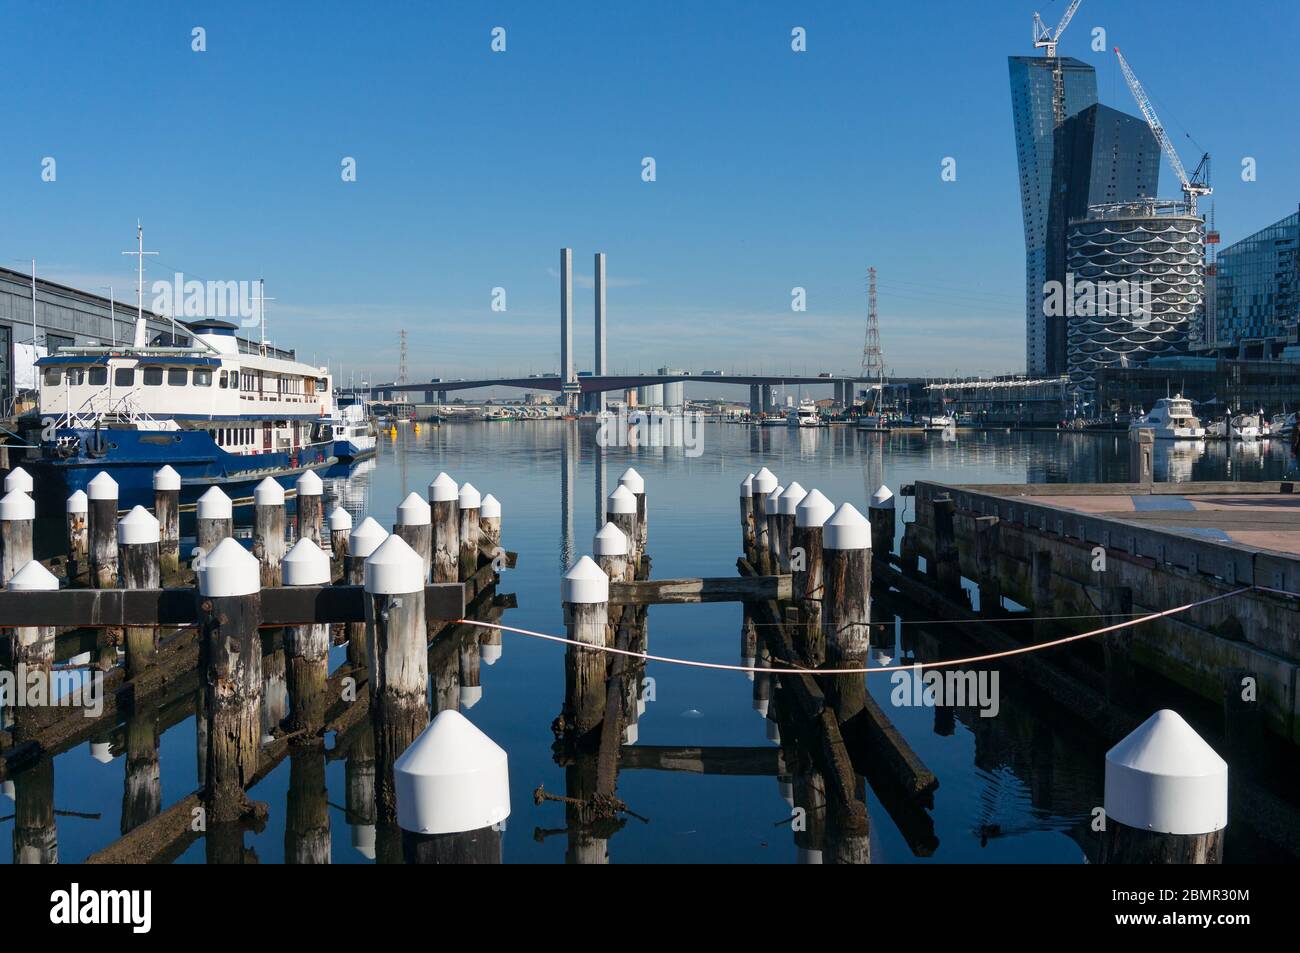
(438, 541)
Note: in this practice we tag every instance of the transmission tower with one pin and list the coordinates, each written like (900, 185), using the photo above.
(401, 359)
(873, 359)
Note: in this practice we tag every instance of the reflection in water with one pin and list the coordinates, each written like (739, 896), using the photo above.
(142, 791)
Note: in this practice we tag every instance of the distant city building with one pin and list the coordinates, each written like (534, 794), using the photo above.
(1101, 156)
(1032, 88)
(651, 395)
(1257, 294)
(1137, 285)
(675, 392)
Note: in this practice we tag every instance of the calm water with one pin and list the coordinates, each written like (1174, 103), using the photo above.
(1012, 787)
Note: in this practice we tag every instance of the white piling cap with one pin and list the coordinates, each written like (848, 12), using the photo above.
(586, 582)
(340, 520)
(17, 505)
(747, 486)
(394, 569)
(19, 479)
(1164, 777)
(102, 487)
(791, 497)
(470, 695)
(166, 479)
(229, 570)
(621, 501)
(414, 511)
(269, 493)
(363, 840)
(813, 510)
(764, 481)
(365, 539)
(469, 498)
(773, 732)
(489, 653)
(101, 751)
(490, 508)
(443, 489)
(847, 529)
(305, 565)
(33, 577)
(309, 484)
(632, 480)
(213, 505)
(77, 502)
(774, 501)
(138, 528)
(883, 498)
(453, 778)
(610, 541)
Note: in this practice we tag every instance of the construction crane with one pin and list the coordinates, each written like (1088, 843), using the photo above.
(1047, 39)
(1199, 182)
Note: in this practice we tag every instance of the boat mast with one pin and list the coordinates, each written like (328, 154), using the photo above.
(141, 337)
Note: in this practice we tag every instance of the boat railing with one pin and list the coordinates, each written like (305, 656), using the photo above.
(101, 408)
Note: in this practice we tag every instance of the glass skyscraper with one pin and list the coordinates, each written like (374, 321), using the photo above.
(1032, 84)
(1257, 293)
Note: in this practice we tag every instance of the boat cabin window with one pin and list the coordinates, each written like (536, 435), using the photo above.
(52, 377)
(76, 375)
(98, 376)
(177, 376)
(124, 377)
(321, 385)
(153, 376)
(223, 380)
(202, 377)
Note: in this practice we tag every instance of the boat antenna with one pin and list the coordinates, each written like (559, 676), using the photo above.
(261, 312)
(139, 254)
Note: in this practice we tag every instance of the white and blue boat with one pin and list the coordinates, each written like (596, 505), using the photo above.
(217, 416)
(354, 434)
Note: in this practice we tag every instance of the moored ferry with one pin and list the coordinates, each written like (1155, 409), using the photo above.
(354, 434)
(215, 415)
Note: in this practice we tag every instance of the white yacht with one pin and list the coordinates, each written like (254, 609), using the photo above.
(1244, 427)
(940, 422)
(354, 435)
(1170, 419)
(805, 415)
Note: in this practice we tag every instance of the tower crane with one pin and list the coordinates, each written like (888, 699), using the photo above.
(1047, 39)
(1198, 183)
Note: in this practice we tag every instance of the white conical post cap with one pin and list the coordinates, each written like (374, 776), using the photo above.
(610, 541)
(764, 481)
(453, 778)
(621, 501)
(586, 583)
(102, 487)
(1163, 777)
(102, 752)
(632, 480)
(470, 695)
(33, 577)
(78, 502)
(214, 505)
(813, 510)
(229, 570)
(791, 497)
(309, 484)
(269, 493)
(364, 839)
(305, 565)
(747, 486)
(846, 529)
(414, 511)
(774, 501)
(490, 508)
(394, 569)
(443, 489)
(469, 498)
(340, 520)
(883, 498)
(19, 479)
(365, 539)
(490, 654)
(17, 505)
(138, 528)
(166, 479)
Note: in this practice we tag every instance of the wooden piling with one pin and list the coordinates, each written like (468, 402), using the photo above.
(762, 486)
(362, 541)
(268, 529)
(167, 510)
(636, 486)
(846, 618)
(78, 539)
(585, 593)
(610, 547)
(620, 509)
(467, 504)
(946, 568)
(101, 494)
(398, 647)
(1142, 457)
(310, 507)
(213, 519)
(489, 522)
(139, 560)
(414, 524)
(807, 575)
(444, 506)
(880, 513)
(230, 660)
(747, 517)
(17, 518)
(340, 526)
(773, 508)
(791, 497)
(306, 647)
(33, 650)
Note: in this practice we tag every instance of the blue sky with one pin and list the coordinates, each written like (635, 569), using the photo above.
(775, 169)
